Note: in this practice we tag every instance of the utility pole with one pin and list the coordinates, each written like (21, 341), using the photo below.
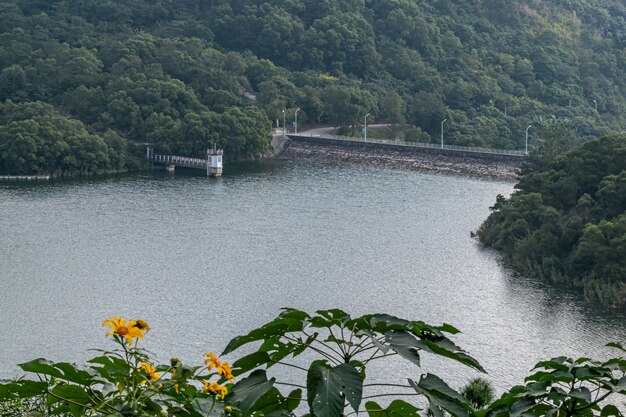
(296, 122)
(529, 126)
(444, 120)
(284, 126)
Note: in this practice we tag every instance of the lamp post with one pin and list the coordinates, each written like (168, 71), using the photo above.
(444, 120)
(296, 122)
(365, 129)
(491, 101)
(596, 104)
(529, 126)
(284, 125)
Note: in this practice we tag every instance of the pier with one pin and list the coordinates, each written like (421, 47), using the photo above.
(213, 164)
(24, 177)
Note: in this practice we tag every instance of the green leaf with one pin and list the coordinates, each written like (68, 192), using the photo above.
(278, 327)
(582, 393)
(352, 384)
(329, 318)
(64, 371)
(22, 389)
(397, 408)
(374, 409)
(301, 348)
(247, 392)
(443, 346)
(384, 322)
(249, 362)
(76, 397)
(374, 339)
(326, 388)
(294, 399)
(405, 344)
(609, 411)
(520, 407)
(292, 313)
(441, 396)
(111, 363)
(616, 346)
(557, 364)
(537, 389)
(112, 368)
(448, 328)
(324, 391)
(269, 402)
(206, 407)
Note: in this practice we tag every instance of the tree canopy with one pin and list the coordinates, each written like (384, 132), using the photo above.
(567, 220)
(180, 74)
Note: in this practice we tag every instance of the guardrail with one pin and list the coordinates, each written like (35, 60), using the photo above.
(490, 151)
(180, 161)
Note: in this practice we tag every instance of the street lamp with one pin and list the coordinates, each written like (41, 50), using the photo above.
(529, 126)
(296, 122)
(596, 104)
(284, 126)
(444, 120)
(365, 129)
(491, 101)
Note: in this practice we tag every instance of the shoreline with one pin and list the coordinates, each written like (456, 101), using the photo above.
(394, 159)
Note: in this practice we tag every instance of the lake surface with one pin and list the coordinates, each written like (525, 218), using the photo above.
(203, 260)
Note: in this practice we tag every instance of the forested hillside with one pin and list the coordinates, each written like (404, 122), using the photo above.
(190, 73)
(567, 221)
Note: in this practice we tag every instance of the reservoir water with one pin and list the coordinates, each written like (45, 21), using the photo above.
(203, 260)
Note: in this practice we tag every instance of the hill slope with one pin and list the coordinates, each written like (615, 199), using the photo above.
(567, 221)
(185, 74)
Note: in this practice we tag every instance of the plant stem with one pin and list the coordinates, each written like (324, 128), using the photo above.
(387, 385)
(290, 385)
(291, 365)
(321, 352)
(386, 355)
(340, 354)
(391, 395)
(365, 411)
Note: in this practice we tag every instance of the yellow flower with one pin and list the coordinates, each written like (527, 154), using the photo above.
(212, 361)
(228, 408)
(223, 368)
(225, 371)
(142, 325)
(150, 371)
(215, 389)
(120, 328)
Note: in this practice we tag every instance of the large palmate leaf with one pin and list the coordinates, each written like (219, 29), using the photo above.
(396, 408)
(441, 397)
(328, 318)
(249, 390)
(404, 344)
(443, 346)
(274, 404)
(72, 397)
(278, 327)
(205, 407)
(22, 389)
(326, 388)
(64, 371)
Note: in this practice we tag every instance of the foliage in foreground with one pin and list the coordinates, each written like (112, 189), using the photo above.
(124, 382)
(567, 221)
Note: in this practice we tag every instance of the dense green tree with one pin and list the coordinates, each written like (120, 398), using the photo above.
(113, 65)
(567, 221)
(344, 107)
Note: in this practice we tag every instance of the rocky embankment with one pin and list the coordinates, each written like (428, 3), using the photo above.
(412, 160)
